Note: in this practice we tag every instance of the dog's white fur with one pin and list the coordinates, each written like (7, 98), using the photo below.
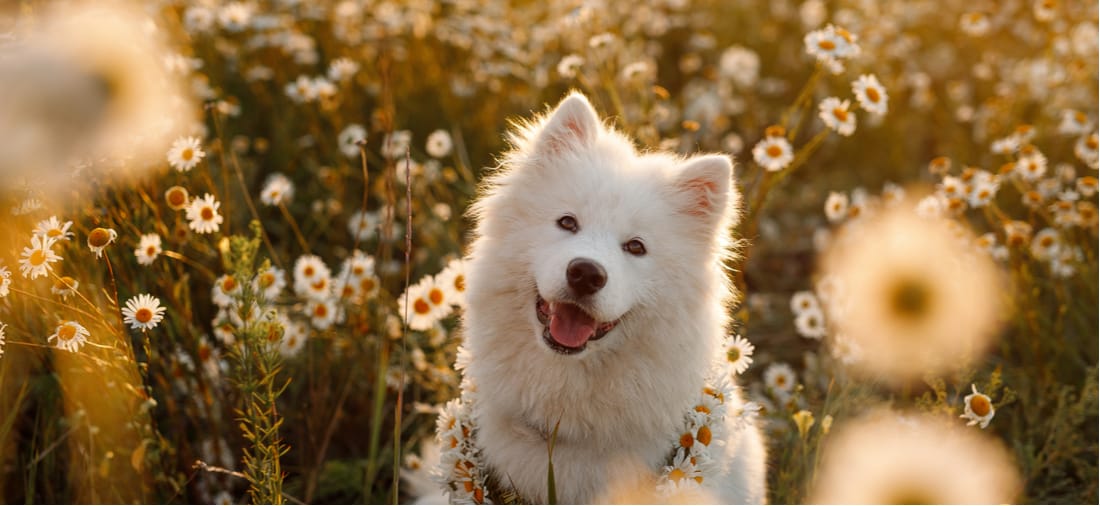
(624, 397)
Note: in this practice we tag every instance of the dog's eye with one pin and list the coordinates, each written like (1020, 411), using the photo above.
(569, 223)
(634, 247)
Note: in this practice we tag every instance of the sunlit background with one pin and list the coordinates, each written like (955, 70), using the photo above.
(207, 206)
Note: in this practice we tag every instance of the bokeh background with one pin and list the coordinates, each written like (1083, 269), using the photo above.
(912, 262)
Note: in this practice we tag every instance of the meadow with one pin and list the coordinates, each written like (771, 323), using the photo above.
(231, 254)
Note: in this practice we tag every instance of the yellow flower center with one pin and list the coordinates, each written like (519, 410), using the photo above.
(827, 45)
(436, 296)
(676, 475)
(840, 114)
(99, 238)
(703, 435)
(873, 95)
(1047, 241)
(733, 354)
(421, 306)
(321, 284)
(308, 271)
(267, 279)
(320, 310)
(143, 315)
(229, 284)
(150, 251)
(357, 270)
(38, 257)
(187, 154)
(460, 283)
(367, 284)
(177, 197)
(53, 232)
(66, 332)
(1091, 142)
(207, 213)
(774, 151)
(686, 440)
(980, 405)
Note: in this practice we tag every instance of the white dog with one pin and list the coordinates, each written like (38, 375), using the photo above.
(597, 301)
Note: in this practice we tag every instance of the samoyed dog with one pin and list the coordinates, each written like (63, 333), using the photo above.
(597, 302)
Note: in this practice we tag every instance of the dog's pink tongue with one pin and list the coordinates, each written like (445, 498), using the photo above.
(571, 326)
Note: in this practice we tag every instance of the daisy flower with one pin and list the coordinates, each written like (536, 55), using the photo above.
(845, 350)
(278, 189)
(836, 207)
(738, 353)
(1074, 123)
(1046, 244)
(453, 282)
(681, 471)
(302, 90)
(342, 69)
(439, 144)
(773, 153)
(307, 270)
(570, 65)
(64, 287)
(870, 94)
(421, 313)
(203, 214)
(394, 145)
(269, 282)
(978, 408)
(54, 229)
(803, 301)
(148, 249)
(780, 378)
(143, 312)
(363, 225)
(982, 193)
(5, 281)
(70, 336)
(319, 287)
(185, 153)
(294, 339)
(100, 238)
(35, 260)
(1087, 149)
(323, 313)
(810, 324)
(836, 115)
(177, 198)
(225, 290)
(975, 23)
(349, 139)
(1032, 166)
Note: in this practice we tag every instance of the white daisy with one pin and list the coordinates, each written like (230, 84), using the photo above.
(148, 249)
(225, 290)
(394, 145)
(1087, 149)
(870, 94)
(177, 198)
(35, 260)
(453, 282)
(70, 336)
(836, 207)
(569, 65)
(349, 139)
(978, 408)
(1032, 166)
(307, 270)
(421, 314)
(738, 353)
(810, 323)
(5, 281)
(982, 193)
(773, 153)
(64, 287)
(1074, 123)
(780, 378)
(845, 350)
(342, 69)
(803, 301)
(836, 115)
(185, 153)
(323, 313)
(301, 90)
(363, 225)
(99, 238)
(269, 282)
(54, 229)
(294, 338)
(439, 144)
(278, 189)
(203, 214)
(1046, 245)
(143, 312)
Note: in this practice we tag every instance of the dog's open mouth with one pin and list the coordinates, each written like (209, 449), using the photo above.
(567, 328)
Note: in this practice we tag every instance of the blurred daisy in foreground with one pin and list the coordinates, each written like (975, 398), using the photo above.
(70, 336)
(5, 281)
(886, 458)
(177, 198)
(54, 229)
(35, 260)
(836, 207)
(203, 215)
(99, 238)
(185, 153)
(927, 302)
(269, 282)
(349, 139)
(64, 287)
(420, 313)
(278, 190)
(780, 378)
(452, 280)
(837, 116)
(143, 312)
(978, 408)
(439, 144)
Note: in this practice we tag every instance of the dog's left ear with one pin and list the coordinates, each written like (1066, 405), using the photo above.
(572, 125)
(703, 185)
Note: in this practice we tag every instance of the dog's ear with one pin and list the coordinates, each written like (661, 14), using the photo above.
(573, 124)
(703, 185)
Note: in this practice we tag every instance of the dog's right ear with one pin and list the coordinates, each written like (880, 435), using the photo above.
(573, 124)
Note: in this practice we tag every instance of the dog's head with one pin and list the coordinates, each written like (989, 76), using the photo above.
(605, 241)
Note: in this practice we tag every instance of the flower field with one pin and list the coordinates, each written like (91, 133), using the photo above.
(231, 258)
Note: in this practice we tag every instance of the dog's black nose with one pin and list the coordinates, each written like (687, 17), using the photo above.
(585, 276)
